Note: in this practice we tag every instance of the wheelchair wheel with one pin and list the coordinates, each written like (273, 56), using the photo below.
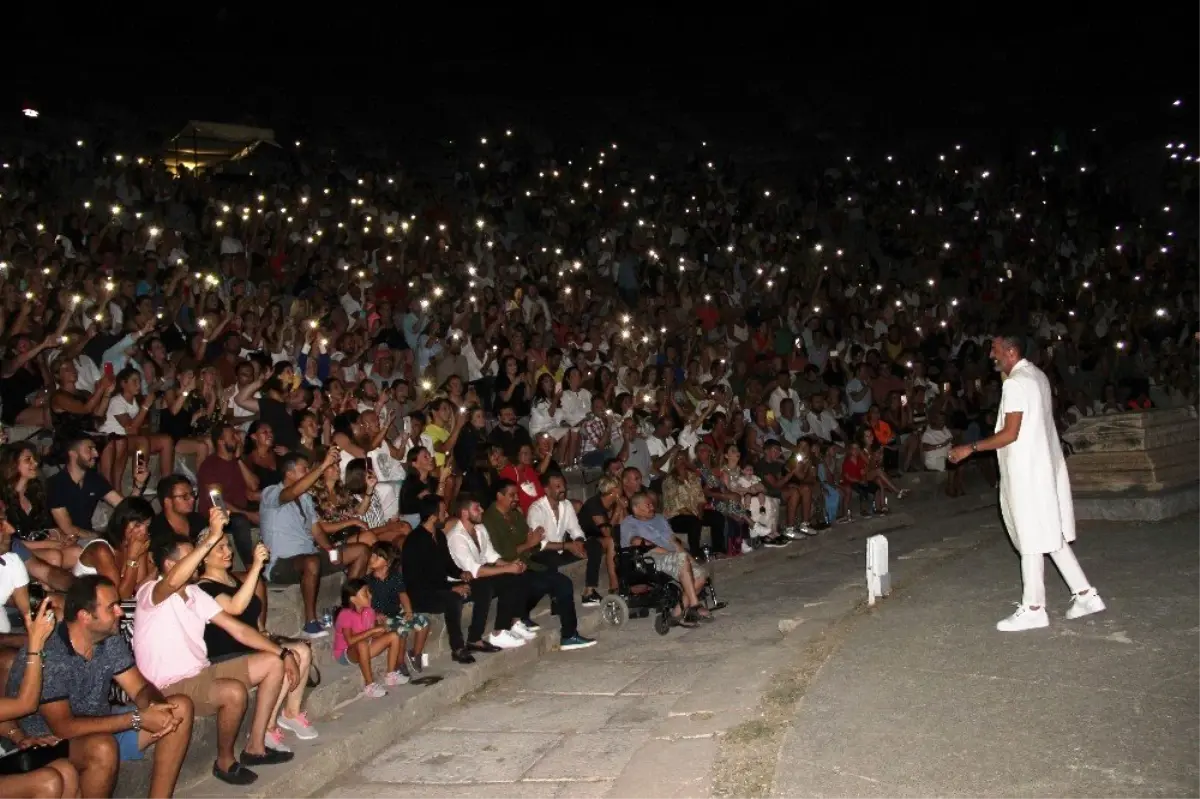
(614, 610)
(662, 623)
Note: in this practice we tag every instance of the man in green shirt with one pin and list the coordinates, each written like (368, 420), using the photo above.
(513, 540)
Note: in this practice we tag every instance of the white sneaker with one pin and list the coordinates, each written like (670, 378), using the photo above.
(1085, 604)
(807, 530)
(521, 631)
(746, 548)
(1024, 619)
(505, 640)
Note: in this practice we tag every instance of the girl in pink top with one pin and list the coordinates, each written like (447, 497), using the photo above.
(358, 637)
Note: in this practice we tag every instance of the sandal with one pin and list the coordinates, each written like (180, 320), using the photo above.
(695, 614)
(683, 621)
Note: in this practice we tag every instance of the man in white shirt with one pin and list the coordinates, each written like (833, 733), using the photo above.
(822, 422)
(472, 551)
(564, 541)
(783, 390)
(1035, 488)
(662, 449)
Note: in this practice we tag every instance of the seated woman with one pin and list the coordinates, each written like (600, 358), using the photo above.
(261, 456)
(527, 478)
(126, 422)
(546, 417)
(855, 467)
(339, 514)
(74, 413)
(826, 460)
(361, 484)
(875, 469)
(575, 403)
(24, 496)
(686, 507)
(478, 481)
(58, 778)
(122, 553)
(724, 500)
(422, 492)
(389, 597)
(243, 599)
(190, 410)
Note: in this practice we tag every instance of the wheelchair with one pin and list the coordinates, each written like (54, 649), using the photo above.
(644, 590)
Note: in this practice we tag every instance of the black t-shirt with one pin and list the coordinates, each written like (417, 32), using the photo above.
(220, 644)
(159, 526)
(79, 499)
(385, 593)
(775, 469)
(594, 506)
(276, 414)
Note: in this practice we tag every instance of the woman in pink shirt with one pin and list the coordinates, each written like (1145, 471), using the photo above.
(358, 637)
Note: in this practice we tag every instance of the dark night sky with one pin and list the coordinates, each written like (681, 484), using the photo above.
(593, 70)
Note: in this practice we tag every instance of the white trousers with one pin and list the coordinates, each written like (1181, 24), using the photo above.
(1033, 575)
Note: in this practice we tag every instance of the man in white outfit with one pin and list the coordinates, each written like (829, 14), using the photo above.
(1035, 490)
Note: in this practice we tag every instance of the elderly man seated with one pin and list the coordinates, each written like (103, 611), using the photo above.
(643, 527)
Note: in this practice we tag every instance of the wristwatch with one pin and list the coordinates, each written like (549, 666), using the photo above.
(974, 446)
(135, 722)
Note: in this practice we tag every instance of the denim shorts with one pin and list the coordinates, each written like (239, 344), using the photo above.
(127, 740)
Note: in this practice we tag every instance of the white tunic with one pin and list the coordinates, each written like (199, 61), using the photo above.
(1035, 490)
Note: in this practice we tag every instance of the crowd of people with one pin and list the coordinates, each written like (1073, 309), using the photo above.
(339, 368)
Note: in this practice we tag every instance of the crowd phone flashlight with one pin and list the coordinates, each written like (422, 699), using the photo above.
(333, 555)
(140, 460)
(218, 501)
(903, 399)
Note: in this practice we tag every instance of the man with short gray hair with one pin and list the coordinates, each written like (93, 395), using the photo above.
(644, 527)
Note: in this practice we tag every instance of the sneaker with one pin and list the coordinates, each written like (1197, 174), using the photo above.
(505, 639)
(577, 641)
(590, 600)
(236, 775)
(521, 631)
(274, 741)
(791, 533)
(393, 678)
(413, 662)
(270, 757)
(374, 691)
(746, 548)
(530, 624)
(314, 629)
(806, 529)
(1024, 619)
(1085, 604)
(776, 542)
(298, 725)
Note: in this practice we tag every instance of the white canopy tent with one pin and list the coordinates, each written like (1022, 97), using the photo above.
(203, 145)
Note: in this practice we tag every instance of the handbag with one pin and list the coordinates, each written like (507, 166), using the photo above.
(24, 761)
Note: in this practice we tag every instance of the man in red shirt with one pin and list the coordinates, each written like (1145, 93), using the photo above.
(223, 471)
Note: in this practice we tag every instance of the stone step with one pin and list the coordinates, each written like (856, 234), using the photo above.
(356, 731)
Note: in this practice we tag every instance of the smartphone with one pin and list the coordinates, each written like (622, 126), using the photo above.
(140, 460)
(370, 466)
(108, 369)
(945, 388)
(334, 555)
(903, 400)
(218, 501)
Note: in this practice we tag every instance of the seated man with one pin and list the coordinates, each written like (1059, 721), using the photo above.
(785, 480)
(565, 541)
(168, 643)
(300, 552)
(80, 661)
(487, 575)
(224, 471)
(74, 493)
(643, 527)
(515, 542)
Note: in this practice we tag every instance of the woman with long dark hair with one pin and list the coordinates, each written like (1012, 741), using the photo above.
(122, 553)
(24, 496)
